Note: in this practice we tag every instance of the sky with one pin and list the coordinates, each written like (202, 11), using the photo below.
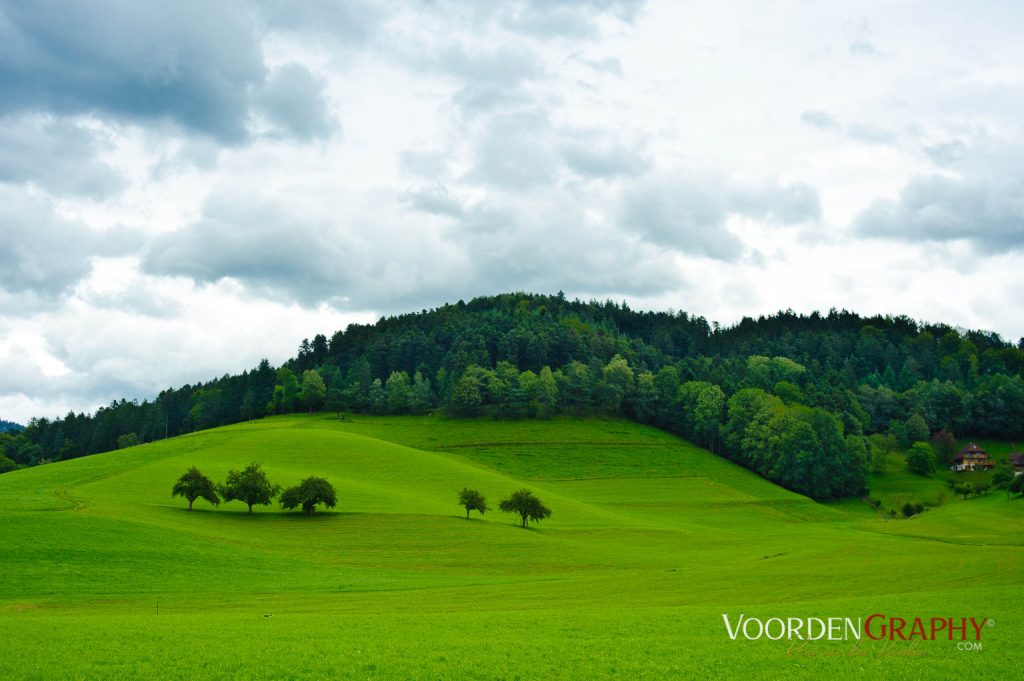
(189, 187)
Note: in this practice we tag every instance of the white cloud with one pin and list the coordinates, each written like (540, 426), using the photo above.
(187, 194)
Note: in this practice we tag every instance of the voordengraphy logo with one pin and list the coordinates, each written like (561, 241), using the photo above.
(875, 627)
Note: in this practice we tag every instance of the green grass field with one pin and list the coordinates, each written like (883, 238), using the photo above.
(103, 575)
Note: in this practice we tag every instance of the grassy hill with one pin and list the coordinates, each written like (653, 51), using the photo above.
(651, 541)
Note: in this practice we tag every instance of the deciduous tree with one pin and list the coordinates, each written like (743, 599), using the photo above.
(194, 485)
(472, 500)
(528, 507)
(308, 493)
(921, 459)
(250, 486)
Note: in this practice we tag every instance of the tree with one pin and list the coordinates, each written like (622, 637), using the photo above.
(308, 494)
(1003, 476)
(250, 486)
(1017, 486)
(523, 503)
(194, 485)
(127, 440)
(377, 397)
(472, 500)
(7, 465)
(421, 399)
(916, 430)
(290, 389)
(920, 459)
(313, 390)
(397, 392)
(335, 401)
(944, 444)
(466, 398)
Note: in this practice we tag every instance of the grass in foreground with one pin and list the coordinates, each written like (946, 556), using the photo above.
(650, 542)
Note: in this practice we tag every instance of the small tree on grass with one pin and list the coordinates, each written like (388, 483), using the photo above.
(194, 485)
(250, 486)
(472, 500)
(308, 494)
(1003, 477)
(920, 459)
(528, 507)
(1017, 486)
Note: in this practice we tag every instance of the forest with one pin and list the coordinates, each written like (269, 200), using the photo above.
(807, 401)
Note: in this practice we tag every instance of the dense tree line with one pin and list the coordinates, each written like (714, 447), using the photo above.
(790, 396)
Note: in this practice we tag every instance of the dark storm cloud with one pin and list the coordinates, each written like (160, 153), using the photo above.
(192, 62)
(45, 254)
(197, 64)
(58, 155)
(986, 210)
(688, 214)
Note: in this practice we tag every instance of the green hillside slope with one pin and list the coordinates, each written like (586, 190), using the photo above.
(651, 540)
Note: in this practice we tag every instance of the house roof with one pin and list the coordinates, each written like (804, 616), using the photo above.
(1017, 458)
(972, 449)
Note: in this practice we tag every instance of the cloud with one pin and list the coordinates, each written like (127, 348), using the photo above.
(435, 200)
(294, 102)
(547, 19)
(947, 153)
(688, 213)
(770, 200)
(822, 120)
(45, 254)
(858, 132)
(191, 62)
(983, 209)
(863, 48)
(58, 155)
(279, 250)
(604, 158)
(515, 152)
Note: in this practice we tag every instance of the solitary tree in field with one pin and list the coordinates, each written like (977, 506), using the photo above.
(194, 485)
(472, 500)
(250, 486)
(308, 494)
(528, 507)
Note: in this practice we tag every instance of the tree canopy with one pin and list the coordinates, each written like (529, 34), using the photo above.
(194, 485)
(472, 500)
(921, 458)
(308, 494)
(250, 486)
(523, 503)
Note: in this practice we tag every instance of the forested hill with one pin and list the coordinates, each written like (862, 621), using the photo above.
(10, 427)
(793, 397)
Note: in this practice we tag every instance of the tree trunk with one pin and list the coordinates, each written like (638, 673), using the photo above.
(250, 508)
(190, 504)
(467, 508)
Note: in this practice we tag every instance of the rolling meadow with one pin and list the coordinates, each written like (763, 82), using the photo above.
(651, 541)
